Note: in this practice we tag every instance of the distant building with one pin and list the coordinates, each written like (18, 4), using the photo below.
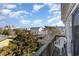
(9, 27)
(35, 30)
(39, 33)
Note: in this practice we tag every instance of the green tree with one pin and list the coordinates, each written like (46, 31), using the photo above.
(6, 31)
(24, 44)
(53, 30)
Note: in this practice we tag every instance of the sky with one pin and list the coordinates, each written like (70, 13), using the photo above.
(26, 15)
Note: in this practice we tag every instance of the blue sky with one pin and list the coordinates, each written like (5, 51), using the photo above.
(30, 14)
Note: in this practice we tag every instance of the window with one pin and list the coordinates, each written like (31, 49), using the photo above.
(75, 31)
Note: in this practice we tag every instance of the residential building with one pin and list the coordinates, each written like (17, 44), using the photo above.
(35, 30)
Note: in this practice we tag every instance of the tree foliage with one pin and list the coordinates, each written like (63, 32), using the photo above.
(6, 31)
(53, 30)
(24, 44)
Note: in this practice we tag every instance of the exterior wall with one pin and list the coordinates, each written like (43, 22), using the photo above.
(69, 35)
(69, 27)
(35, 31)
(66, 10)
(67, 19)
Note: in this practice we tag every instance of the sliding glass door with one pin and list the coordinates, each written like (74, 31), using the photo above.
(75, 32)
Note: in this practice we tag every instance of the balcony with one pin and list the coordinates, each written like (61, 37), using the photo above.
(49, 49)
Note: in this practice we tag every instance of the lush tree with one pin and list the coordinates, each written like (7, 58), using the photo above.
(52, 30)
(18, 31)
(24, 44)
(6, 31)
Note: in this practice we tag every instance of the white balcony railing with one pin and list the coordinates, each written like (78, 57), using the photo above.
(49, 49)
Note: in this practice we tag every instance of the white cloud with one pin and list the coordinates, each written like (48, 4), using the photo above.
(49, 17)
(54, 25)
(18, 13)
(37, 7)
(60, 23)
(52, 19)
(14, 14)
(53, 7)
(25, 21)
(37, 21)
(2, 17)
(5, 11)
(57, 12)
(22, 11)
(9, 6)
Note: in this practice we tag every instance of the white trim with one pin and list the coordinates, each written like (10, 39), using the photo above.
(71, 10)
(68, 12)
(76, 5)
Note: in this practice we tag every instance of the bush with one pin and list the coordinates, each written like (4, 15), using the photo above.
(24, 44)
